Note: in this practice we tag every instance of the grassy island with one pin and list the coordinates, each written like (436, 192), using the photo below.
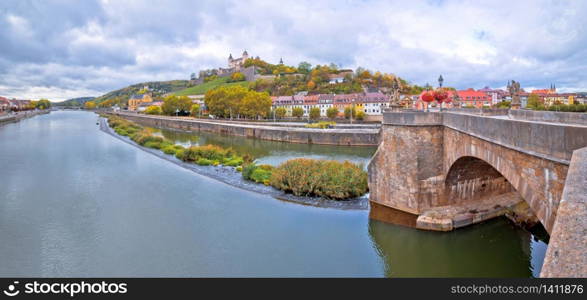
(301, 176)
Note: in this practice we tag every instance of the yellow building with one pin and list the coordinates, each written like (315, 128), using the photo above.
(136, 100)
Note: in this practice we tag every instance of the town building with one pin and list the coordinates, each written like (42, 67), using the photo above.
(135, 100)
(471, 97)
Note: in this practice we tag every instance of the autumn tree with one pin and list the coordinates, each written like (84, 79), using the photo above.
(195, 110)
(255, 104)
(153, 110)
(314, 113)
(90, 105)
(350, 112)
(280, 112)
(534, 102)
(297, 112)
(332, 112)
(43, 104)
(176, 105)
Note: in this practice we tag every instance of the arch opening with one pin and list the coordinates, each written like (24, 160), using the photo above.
(472, 179)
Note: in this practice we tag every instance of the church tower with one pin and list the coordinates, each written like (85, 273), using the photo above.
(245, 56)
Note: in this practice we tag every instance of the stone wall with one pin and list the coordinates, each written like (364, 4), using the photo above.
(549, 116)
(566, 255)
(347, 137)
(403, 173)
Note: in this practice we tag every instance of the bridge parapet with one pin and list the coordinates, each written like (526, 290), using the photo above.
(549, 116)
(566, 255)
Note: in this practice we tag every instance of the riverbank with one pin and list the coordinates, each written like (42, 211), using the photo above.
(11, 118)
(230, 176)
(340, 137)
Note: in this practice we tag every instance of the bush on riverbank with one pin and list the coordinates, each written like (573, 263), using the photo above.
(258, 173)
(323, 178)
(201, 155)
(321, 125)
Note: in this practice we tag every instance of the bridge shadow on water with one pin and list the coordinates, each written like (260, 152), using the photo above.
(494, 248)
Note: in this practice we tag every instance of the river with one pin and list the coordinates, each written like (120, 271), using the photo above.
(77, 202)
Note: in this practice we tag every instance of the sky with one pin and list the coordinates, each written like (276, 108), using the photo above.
(66, 49)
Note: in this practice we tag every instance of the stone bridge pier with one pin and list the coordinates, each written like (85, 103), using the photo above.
(460, 167)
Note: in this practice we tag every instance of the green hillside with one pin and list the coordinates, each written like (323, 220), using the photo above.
(204, 87)
(74, 102)
(157, 88)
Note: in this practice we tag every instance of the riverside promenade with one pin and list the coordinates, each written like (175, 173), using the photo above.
(347, 135)
(10, 118)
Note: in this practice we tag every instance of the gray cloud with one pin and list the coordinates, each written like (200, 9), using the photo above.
(61, 49)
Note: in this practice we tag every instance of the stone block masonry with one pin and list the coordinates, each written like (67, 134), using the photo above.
(341, 137)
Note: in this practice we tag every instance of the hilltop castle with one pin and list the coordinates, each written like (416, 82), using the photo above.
(237, 64)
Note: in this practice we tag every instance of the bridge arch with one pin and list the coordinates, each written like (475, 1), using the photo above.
(470, 178)
(538, 181)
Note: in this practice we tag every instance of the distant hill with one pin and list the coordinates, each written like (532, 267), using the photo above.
(157, 88)
(201, 89)
(74, 101)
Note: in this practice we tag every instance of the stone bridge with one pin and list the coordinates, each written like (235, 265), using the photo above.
(462, 166)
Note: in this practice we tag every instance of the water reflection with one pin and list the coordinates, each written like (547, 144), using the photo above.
(269, 152)
(495, 248)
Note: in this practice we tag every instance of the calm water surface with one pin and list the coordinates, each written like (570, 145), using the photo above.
(75, 201)
(269, 152)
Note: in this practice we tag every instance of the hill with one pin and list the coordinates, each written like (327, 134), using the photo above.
(157, 88)
(74, 101)
(201, 89)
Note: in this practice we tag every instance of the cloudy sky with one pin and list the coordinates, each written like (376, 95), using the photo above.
(64, 49)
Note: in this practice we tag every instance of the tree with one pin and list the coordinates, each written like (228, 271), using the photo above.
(43, 104)
(90, 105)
(360, 115)
(255, 104)
(225, 101)
(314, 113)
(195, 110)
(297, 112)
(304, 67)
(238, 76)
(534, 102)
(503, 104)
(332, 112)
(280, 112)
(350, 112)
(176, 104)
(153, 110)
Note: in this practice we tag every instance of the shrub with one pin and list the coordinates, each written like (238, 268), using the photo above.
(323, 178)
(153, 144)
(153, 110)
(169, 149)
(360, 115)
(239, 169)
(257, 173)
(234, 162)
(203, 162)
(322, 125)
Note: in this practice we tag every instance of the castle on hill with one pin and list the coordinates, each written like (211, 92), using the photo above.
(234, 65)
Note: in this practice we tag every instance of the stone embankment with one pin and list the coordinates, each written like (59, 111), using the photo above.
(368, 136)
(10, 118)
